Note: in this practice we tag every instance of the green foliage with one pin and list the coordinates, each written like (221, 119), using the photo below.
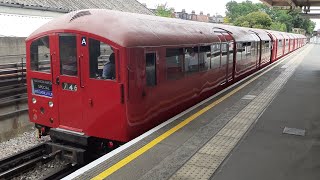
(249, 14)
(164, 11)
(255, 19)
(278, 26)
(226, 20)
(235, 10)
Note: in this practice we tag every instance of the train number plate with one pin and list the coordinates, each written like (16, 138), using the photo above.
(69, 87)
(42, 87)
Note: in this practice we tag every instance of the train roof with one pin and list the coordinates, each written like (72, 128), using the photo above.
(262, 34)
(130, 29)
(239, 34)
(276, 34)
(138, 30)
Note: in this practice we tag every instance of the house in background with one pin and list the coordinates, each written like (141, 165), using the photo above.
(198, 17)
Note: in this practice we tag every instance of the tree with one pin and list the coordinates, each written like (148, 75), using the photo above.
(164, 11)
(235, 10)
(226, 20)
(281, 20)
(255, 19)
(278, 26)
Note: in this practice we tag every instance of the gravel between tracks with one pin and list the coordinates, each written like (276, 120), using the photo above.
(41, 171)
(20, 143)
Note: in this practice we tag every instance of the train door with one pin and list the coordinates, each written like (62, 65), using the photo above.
(43, 99)
(103, 94)
(230, 47)
(227, 45)
(66, 77)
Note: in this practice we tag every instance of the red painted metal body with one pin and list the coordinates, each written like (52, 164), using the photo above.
(125, 107)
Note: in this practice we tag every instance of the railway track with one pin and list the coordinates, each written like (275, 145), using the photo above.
(30, 159)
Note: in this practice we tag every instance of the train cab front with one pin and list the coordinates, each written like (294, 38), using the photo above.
(74, 86)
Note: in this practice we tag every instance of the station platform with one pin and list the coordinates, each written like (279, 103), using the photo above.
(267, 126)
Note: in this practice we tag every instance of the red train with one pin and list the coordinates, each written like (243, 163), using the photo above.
(108, 76)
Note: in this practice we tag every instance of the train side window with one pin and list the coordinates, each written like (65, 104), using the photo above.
(215, 56)
(68, 55)
(191, 60)
(102, 60)
(280, 43)
(224, 55)
(240, 50)
(151, 74)
(174, 63)
(40, 55)
(230, 52)
(204, 58)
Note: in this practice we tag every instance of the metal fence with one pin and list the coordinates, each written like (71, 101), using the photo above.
(13, 91)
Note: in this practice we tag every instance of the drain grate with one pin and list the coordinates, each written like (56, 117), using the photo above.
(294, 131)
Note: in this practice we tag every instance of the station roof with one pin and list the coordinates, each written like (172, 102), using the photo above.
(292, 3)
(305, 6)
(72, 5)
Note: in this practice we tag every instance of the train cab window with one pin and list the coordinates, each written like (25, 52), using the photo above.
(40, 55)
(204, 58)
(191, 59)
(174, 63)
(102, 60)
(68, 55)
(151, 74)
(224, 54)
(215, 56)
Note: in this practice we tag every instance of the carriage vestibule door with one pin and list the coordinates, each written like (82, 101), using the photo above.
(67, 78)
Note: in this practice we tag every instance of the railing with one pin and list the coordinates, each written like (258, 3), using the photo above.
(13, 91)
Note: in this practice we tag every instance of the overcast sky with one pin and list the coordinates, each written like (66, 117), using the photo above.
(207, 6)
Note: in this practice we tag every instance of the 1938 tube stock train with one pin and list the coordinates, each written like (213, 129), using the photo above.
(161, 67)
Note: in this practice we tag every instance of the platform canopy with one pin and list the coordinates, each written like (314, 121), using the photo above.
(292, 3)
(308, 7)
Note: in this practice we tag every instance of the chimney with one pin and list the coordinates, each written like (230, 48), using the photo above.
(208, 14)
(144, 4)
(184, 10)
(201, 12)
(193, 12)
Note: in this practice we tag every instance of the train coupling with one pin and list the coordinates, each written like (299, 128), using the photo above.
(75, 155)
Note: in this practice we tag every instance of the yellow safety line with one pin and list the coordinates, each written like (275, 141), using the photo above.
(163, 136)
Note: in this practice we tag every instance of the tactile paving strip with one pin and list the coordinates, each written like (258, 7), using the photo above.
(207, 160)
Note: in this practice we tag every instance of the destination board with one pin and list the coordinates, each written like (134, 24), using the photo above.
(42, 87)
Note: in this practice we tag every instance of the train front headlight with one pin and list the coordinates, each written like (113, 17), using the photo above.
(34, 100)
(50, 104)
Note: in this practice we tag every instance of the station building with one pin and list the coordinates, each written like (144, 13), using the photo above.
(19, 18)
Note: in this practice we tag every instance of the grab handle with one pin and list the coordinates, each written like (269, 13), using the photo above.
(80, 72)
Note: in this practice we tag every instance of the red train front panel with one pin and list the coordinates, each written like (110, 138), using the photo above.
(68, 86)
